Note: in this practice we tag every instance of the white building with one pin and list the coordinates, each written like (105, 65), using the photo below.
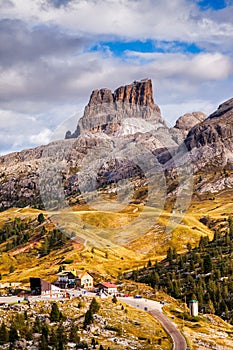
(193, 307)
(108, 287)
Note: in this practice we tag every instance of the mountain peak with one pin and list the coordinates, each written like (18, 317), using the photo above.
(138, 93)
(106, 111)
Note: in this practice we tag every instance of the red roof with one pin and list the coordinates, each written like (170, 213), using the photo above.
(109, 285)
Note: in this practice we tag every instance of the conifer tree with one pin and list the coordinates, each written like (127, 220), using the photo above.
(55, 314)
(88, 318)
(114, 299)
(37, 325)
(13, 334)
(43, 344)
(41, 218)
(61, 337)
(4, 335)
(207, 263)
(53, 339)
(74, 337)
(94, 306)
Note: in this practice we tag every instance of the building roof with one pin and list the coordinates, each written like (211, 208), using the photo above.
(108, 285)
(80, 274)
(65, 273)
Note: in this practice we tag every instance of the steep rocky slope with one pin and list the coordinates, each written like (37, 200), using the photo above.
(210, 143)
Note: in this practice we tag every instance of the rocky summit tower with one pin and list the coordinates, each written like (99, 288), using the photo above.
(107, 111)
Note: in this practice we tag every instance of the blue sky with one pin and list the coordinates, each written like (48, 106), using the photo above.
(53, 53)
(214, 4)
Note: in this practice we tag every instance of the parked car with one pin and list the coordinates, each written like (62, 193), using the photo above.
(137, 296)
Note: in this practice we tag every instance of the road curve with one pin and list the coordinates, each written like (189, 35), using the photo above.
(179, 342)
(155, 309)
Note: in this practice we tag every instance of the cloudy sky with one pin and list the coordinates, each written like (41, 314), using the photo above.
(53, 53)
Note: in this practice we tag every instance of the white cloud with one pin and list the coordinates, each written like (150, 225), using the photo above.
(41, 138)
(198, 67)
(47, 74)
(161, 19)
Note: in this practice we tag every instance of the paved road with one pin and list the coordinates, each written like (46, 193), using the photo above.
(155, 309)
(179, 342)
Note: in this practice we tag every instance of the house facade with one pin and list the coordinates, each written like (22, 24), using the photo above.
(84, 280)
(74, 279)
(108, 287)
(66, 279)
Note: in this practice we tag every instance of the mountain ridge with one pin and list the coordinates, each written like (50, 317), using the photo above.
(140, 123)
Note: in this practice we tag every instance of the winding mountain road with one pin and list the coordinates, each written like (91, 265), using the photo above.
(155, 309)
(179, 342)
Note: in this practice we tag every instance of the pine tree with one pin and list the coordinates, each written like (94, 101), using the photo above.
(169, 255)
(12, 269)
(210, 307)
(74, 337)
(88, 318)
(45, 331)
(189, 247)
(45, 247)
(94, 306)
(41, 218)
(93, 343)
(61, 337)
(55, 314)
(114, 299)
(43, 344)
(37, 325)
(207, 264)
(53, 339)
(4, 335)
(13, 334)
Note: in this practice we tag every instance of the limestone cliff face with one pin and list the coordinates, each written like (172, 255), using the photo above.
(211, 141)
(107, 111)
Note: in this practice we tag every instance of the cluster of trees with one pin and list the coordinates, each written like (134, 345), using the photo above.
(15, 232)
(54, 336)
(204, 273)
(53, 240)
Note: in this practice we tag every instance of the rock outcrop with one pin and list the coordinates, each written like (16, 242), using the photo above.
(187, 121)
(211, 142)
(108, 111)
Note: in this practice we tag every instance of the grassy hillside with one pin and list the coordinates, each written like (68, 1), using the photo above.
(102, 255)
